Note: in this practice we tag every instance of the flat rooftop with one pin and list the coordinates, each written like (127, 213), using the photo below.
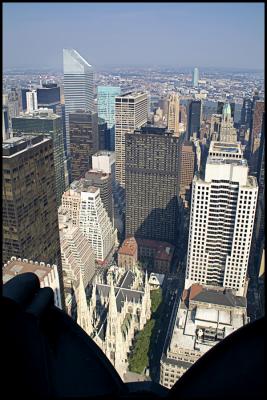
(15, 145)
(223, 147)
(18, 266)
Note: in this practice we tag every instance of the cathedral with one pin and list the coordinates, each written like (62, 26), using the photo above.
(119, 305)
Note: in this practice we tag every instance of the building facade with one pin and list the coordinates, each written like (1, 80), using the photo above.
(195, 77)
(131, 112)
(45, 122)
(255, 136)
(152, 184)
(227, 130)
(187, 168)
(221, 221)
(78, 86)
(106, 109)
(83, 141)
(173, 114)
(30, 221)
(31, 99)
(194, 118)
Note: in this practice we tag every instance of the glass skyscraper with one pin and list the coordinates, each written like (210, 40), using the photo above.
(106, 109)
(78, 86)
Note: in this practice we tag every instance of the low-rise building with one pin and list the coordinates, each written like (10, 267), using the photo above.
(158, 255)
(47, 274)
(205, 316)
(128, 254)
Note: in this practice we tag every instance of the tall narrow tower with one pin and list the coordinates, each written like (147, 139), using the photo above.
(173, 114)
(78, 86)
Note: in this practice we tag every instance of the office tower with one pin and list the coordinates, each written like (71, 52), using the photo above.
(227, 130)
(103, 134)
(255, 135)
(24, 99)
(194, 118)
(246, 112)
(103, 181)
(215, 126)
(76, 253)
(258, 242)
(91, 217)
(152, 184)
(195, 77)
(84, 141)
(163, 104)
(71, 201)
(30, 221)
(130, 114)
(105, 161)
(48, 96)
(221, 221)
(78, 86)
(96, 225)
(186, 168)
(5, 123)
(173, 113)
(47, 274)
(106, 109)
(31, 99)
(204, 317)
(45, 122)
(221, 105)
(13, 103)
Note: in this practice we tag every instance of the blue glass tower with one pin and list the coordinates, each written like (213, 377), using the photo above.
(106, 109)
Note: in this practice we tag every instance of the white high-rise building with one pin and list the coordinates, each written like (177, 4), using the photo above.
(105, 161)
(221, 222)
(78, 86)
(31, 99)
(227, 130)
(173, 113)
(131, 112)
(96, 225)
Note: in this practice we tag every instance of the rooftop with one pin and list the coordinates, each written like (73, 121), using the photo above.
(128, 247)
(198, 327)
(16, 145)
(20, 266)
(163, 250)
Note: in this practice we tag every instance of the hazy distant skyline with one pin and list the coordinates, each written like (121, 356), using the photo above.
(219, 35)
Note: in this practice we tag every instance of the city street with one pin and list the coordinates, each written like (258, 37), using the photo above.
(172, 290)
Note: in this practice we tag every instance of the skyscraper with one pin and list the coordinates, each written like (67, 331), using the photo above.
(103, 181)
(45, 122)
(173, 113)
(221, 105)
(186, 170)
(195, 77)
(255, 135)
(246, 112)
(152, 184)
(31, 99)
(84, 141)
(227, 130)
(221, 222)
(106, 109)
(48, 96)
(78, 86)
(194, 118)
(131, 113)
(30, 221)
(96, 225)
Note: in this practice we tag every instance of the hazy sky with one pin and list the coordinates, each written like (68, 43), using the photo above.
(178, 34)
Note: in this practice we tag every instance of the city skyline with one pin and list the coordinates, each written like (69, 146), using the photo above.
(225, 28)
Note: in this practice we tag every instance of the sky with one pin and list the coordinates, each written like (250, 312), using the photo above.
(219, 35)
